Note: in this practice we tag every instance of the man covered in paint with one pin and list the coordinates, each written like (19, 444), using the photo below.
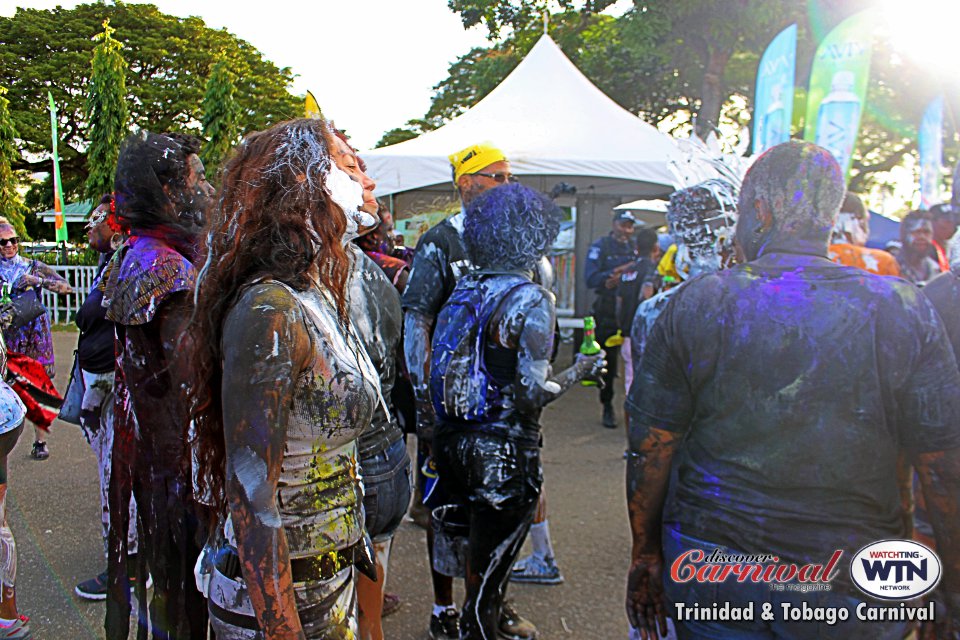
(490, 379)
(849, 240)
(439, 262)
(916, 237)
(161, 195)
(701, 220)
(735, 414)
(607, 260)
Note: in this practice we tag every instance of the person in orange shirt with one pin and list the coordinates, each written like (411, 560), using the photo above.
(850, 237)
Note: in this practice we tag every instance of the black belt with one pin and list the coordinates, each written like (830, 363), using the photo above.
(320, 567)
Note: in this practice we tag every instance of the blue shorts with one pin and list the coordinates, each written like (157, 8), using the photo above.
(386, 490)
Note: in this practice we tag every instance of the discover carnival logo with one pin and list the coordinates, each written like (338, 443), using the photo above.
(895, 569)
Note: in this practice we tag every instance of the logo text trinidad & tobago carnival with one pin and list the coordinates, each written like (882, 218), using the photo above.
(888, 569)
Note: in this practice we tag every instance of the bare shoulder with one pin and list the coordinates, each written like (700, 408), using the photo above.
(265, 304)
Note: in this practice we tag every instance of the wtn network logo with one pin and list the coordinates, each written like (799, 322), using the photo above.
(895, 569)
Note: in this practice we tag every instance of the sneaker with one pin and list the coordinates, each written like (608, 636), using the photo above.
(446, 626)
(96, 587)
(19, 630)
(537, 570)
(391, 604)
(513, 626)
(93, 589)
(40, 451)
(609, 419)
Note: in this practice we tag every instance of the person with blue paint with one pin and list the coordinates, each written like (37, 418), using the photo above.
(739, 440)
(441, 259)
(490, 378)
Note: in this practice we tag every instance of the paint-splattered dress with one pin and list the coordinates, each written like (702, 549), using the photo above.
(34, 339)
(319, 491)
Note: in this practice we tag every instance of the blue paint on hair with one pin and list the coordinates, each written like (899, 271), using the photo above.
(510, 227)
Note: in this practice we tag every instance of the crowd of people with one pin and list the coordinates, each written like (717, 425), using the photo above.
(252, 359)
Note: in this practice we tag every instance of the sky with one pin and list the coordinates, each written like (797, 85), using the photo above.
(371, 64)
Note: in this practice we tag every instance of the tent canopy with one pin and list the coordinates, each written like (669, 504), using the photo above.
(551, 122)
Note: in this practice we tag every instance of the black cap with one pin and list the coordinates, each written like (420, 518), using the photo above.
(624, 216)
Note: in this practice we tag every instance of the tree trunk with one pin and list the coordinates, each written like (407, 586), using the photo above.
(711, 93)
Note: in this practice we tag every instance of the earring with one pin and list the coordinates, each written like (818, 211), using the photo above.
(115, 241)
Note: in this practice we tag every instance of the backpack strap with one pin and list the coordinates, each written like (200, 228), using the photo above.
(487, 314)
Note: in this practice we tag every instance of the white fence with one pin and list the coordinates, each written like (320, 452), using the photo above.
(62, 309)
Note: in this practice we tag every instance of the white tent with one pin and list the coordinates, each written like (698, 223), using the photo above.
(551, 122)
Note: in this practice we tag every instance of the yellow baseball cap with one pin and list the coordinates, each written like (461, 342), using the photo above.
(474, 158)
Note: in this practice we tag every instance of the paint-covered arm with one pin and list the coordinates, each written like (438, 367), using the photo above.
(939, 475)
(648, 472)
(660, 408)
(532, 310)
(266, 347)
(417, 330)
(44, 276)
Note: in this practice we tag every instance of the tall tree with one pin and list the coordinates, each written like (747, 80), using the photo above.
(11, 207)
(107, 113)
(220, 115)
(169, 59)
(687, 46)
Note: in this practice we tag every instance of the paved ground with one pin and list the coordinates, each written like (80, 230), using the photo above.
(54, 512)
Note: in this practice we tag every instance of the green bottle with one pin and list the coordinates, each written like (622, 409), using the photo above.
(5, 297)
(589, 346)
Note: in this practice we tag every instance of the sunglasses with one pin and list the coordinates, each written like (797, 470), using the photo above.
(499, 178)
(5, 241)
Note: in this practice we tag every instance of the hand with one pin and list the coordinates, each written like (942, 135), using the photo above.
(946, 625)
(645, 604)
(593, 366)
(612, 281)
(27, 280)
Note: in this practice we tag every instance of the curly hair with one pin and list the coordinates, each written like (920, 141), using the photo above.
(510, 227)
(274, 219)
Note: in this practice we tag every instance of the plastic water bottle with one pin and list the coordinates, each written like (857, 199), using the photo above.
(589, 346)
(838, 118)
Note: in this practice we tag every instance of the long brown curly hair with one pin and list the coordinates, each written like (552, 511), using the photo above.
(274, 219)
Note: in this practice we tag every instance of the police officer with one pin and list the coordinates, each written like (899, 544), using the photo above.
(610, 257)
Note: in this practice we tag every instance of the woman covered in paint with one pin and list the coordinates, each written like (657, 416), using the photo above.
(490, 378)
(33, 339)
(284, 389)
